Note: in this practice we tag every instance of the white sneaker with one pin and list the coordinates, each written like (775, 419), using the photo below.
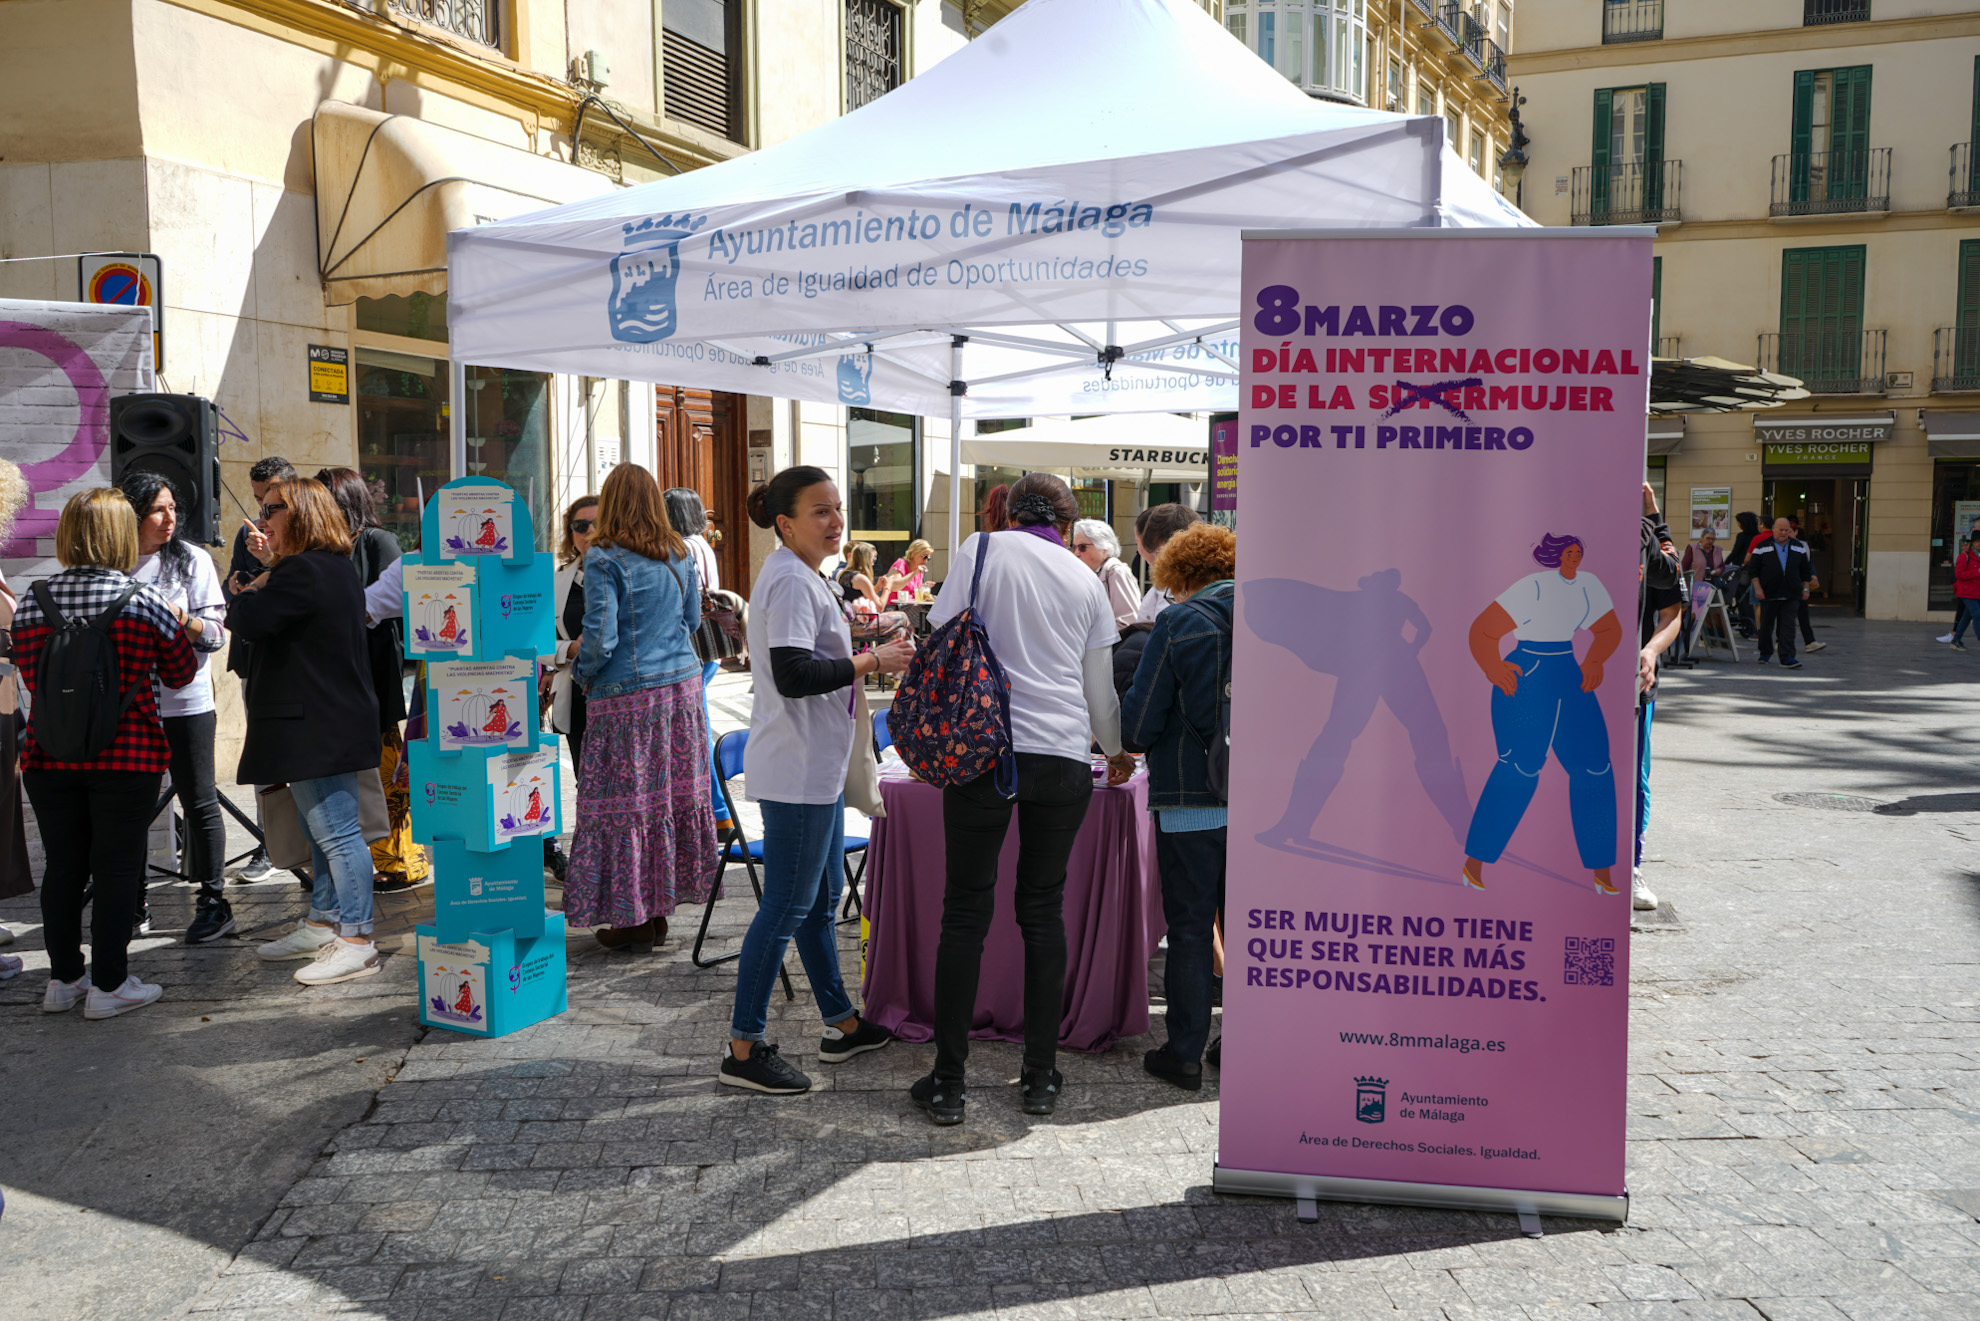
(64, 996)
(6, 936)
(1815, 646)
(133, 994)
(10, 967)
(302, 943)
(1641, 897)
(1946, 638)
(340, 961)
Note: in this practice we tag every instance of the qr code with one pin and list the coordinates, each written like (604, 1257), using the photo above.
(1591, 961)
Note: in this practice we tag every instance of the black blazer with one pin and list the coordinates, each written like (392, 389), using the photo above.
(311, 709)
(1776, 581)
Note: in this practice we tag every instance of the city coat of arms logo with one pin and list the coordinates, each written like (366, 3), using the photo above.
(1371, 1100)
(642, 310)
(856, 378)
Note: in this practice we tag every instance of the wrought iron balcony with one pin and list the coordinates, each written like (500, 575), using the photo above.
(1827, 361)
(1632, 20)
(1628, 194)
(1429, 7)
(1490, 59)
(1451, 21)
(1956, 360)
(477, 20)
(1816, 13)
(1963, 188)
(1826, 183)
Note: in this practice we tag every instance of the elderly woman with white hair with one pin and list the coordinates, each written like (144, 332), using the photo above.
(1100, 550)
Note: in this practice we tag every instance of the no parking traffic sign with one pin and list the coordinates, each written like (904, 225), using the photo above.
(134, 279)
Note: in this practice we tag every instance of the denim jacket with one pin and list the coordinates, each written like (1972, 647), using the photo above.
(637, 621)
(1171, 710)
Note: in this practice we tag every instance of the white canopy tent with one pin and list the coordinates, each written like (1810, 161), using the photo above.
(1155, 447)
(1046, 222)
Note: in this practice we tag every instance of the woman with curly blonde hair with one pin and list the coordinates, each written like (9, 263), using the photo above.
(15, 876)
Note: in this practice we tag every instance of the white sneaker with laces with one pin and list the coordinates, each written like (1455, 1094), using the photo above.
(1815, 646)
(302, 943)
(133, 994)
(340, 961)
(6, 936)
(64, 996)
(1946, 638)
(10, 966)
(1641, 898)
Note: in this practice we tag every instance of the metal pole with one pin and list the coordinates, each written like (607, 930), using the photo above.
(956, 389)
(457, 417)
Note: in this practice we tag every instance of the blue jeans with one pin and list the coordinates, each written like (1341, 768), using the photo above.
(1644, 710)
(1547, 708)
(804, 859)
(708, 673)
(1192, 866)
(340, 860)
(1966, 609)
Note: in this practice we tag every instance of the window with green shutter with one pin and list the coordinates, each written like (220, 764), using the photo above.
(1973, 135)
(1628, 155)
(1830, 145)
(1966, 324)
(1822, 313)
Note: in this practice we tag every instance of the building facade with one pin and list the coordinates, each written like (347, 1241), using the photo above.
(1809, 167)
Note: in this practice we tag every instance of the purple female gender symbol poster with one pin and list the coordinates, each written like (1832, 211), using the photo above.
(1427, 931)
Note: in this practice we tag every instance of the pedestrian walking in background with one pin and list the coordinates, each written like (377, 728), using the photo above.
(690, 518)
(1099, 549)
(16, 874)
(1808, 641)
(95, 811)
(1742, 548)
(801, 732)
(398, 863)
(1660, 610)
(1966, 590)
(1053, 633)
(1704, 557)
(1173, 714)
(567, 715)
(242, 568)
(312, 718)
(1781, 575)
(645, 837)
(184, 575)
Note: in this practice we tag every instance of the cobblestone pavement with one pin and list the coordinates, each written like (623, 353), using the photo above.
(1804, 1113)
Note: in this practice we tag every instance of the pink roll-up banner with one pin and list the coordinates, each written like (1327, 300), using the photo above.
(1441, 456)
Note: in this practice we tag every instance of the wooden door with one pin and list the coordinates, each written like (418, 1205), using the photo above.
(700, 438)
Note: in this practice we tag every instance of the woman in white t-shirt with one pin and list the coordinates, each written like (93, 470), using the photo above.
(800, 739)
(1543, 698)
(1053, 633)
(184, 575)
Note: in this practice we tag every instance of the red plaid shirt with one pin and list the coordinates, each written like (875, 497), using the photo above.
(151, 645)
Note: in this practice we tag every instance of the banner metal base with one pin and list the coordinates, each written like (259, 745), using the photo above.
(1308, 1188)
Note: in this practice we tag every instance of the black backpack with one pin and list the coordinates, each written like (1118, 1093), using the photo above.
(1219, 746)
(76, 704)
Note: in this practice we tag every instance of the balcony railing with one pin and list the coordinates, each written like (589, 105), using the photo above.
(1827, 361)
(1636, 194)
(1632, 20)
(1429, 7)
(1825, 183)
(1670, 346)
(1963, 187)
(1490, 59)
(1815, 13)
(477, 20)
(1956, 360)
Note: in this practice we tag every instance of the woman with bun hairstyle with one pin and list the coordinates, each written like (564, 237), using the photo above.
(645, 838)
(801, 732)
(1053, 633)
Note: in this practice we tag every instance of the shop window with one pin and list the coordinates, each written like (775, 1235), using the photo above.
(1955, 506)
(883, 503)
(1094, 497)
(701, 51)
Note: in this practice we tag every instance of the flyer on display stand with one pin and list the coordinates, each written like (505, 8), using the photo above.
(1428, 921)
(476, 520)
(440, 610)
(483, 704)
(525, 788)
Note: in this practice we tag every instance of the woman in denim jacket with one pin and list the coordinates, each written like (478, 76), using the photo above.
(645, 837)
(1171, 713)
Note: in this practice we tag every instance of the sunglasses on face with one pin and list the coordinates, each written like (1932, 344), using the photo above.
(1081, 547)
(581, 525)
(267, 510)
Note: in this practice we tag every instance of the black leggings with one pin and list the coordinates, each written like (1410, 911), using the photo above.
(93, 830)
(191, 741)
(1053, 794)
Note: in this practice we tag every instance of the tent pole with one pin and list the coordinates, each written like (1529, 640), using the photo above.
(457, 417)
(956, 388)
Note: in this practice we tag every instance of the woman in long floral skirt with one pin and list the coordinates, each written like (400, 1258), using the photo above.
(645, 837)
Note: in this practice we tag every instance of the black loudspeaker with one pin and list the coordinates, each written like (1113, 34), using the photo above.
(178, 437)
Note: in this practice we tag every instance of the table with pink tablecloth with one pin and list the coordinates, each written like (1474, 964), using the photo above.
(1113, 913)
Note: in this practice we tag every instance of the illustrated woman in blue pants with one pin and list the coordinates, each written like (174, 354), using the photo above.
(1546, 699)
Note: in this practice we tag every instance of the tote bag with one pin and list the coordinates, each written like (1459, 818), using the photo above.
(283, 838)
(863, 767)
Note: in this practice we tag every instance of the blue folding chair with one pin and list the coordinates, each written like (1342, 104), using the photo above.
(883, 738)
(732, 845)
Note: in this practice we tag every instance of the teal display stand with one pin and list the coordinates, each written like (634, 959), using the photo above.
(478, 609)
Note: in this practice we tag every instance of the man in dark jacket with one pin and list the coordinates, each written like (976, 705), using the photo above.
(1781, 574)
(1658, 609)
(242, 569)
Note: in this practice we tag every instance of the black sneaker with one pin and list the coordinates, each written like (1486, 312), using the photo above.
(555, 859)
(942, 1100)
(1168, 1068)
(764, 1071)
(1040, 1089)
(214, 919)
(1790, 665)
(837, 1046)
(390, 883)
(1213, 1054)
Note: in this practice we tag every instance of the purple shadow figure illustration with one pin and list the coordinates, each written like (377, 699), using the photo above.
(1368, 639)
(1543, 698)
